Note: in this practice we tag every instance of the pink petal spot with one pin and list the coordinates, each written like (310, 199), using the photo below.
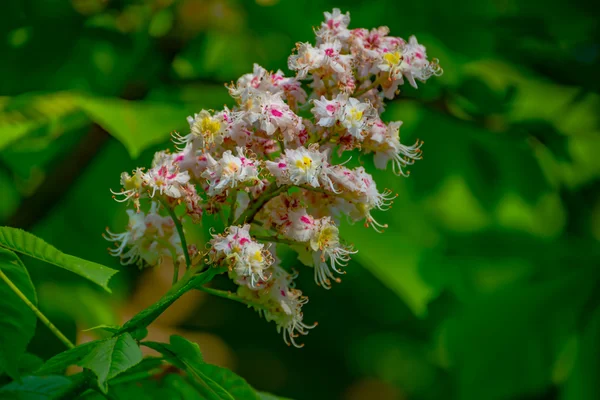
(243, 241)
(276, 113)
(282, 292)
(281, 165)
(305, 219)
(179, 158)
(329, 52)
(331, 108)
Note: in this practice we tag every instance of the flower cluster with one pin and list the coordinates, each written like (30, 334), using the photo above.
(267, 167)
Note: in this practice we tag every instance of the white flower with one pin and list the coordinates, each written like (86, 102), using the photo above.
(247, 259)
(369, 198)
(409, 61)
(165, 177)
(139, 242)
(335, 26)
(131, 187)
(332, 58)
(205, 130)
(328, 112)
(275, 114)
(301, 226)
(229, 171)
(355, 117)
(326, 246)
(388, 147)
(281, 303)
(307, 59)
(274, 83)
(299, 166)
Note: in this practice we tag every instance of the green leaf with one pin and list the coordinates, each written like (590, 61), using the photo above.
(269, 396)
(136, 124)
(26, 243)
(35, 388)
(24, 114)
(61, 361)
(17, 321)
(398, 270)
(110, 357)
(518, 332)
(583, 382)
(215, 382)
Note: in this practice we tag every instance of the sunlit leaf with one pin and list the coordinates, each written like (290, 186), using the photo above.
(136, 124)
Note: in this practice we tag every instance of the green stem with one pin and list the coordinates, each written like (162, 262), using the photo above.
(274, 239)
(171, 249)
(179, 227)
(190, 280)
(365, 90)
(272, 191)
(36, 311)
(228, 295)
(233, 207)
(137, 376)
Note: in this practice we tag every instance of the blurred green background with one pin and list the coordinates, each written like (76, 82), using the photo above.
(486, 284)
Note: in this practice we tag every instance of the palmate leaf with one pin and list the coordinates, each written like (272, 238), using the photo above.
(214, 382)
(17, 321)
(26, 243)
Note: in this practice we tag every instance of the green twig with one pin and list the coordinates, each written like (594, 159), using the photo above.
(274, 239)
(190, 280)
(171, 249)
(365, 90)
(233, 207)
(179, 227)
(36, 311)
(228, 295)
(272, 191)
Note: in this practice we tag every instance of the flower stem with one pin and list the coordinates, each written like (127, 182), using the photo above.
(228, 295)
(192, 278)
(233, 206)
(37, 312)
(365, 90)
(255, 206)
(275, 239)
(179, 227)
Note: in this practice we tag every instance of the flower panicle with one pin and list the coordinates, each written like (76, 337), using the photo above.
(268, 166)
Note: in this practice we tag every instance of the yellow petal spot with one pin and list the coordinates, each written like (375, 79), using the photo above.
(393, 58)
(258, 257)
(210, 126)
(355, 114)
(304, 163)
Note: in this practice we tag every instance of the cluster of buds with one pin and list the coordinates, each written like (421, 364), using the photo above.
(266, 166)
